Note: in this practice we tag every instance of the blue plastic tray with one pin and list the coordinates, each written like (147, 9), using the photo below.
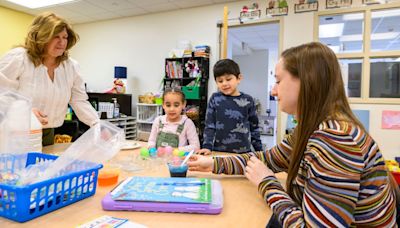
(23, 203)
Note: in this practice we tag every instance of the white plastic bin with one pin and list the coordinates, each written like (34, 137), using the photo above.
(15, 115)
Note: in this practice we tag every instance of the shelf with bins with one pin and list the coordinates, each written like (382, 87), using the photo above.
(128, 124)
(190, 74)
(145, 115)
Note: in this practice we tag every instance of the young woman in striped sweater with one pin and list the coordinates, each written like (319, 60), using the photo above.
(336, 172)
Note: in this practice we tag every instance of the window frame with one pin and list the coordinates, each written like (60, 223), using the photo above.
(366, 54)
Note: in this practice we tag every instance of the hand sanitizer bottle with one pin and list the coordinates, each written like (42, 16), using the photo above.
(116, 108)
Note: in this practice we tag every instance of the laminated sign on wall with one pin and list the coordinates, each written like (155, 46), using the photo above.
(390, 119)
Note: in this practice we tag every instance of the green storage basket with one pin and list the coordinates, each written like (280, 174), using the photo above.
(191, 92)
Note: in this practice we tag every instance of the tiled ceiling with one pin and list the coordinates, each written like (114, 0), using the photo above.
(83, 11)
(254, 38)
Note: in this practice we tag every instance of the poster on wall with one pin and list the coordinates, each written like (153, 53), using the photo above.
(390, 119)
(277, 8)
(250, 13)
(363, 117)
(306, 6)
(330, 4)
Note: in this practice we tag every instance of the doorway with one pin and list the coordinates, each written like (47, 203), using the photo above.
(255, 47)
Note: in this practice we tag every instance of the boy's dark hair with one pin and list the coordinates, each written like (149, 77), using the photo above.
(226, 66)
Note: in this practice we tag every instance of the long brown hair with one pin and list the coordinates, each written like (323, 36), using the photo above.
(322, 97)
(43, 28)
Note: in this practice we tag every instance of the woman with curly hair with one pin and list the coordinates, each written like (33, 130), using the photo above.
(42, 70)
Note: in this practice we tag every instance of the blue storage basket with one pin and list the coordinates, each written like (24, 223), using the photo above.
(23, 203)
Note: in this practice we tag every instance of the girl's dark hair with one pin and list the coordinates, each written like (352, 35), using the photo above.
(226, 66)
(174, 91)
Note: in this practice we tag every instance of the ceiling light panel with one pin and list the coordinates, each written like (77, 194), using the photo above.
(39, 3)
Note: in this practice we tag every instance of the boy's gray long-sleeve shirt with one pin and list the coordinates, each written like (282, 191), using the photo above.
(231, 124)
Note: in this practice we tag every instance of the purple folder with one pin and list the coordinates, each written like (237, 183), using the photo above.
(215, 207)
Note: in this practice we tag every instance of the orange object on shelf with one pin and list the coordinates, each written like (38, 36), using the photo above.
(108, 175)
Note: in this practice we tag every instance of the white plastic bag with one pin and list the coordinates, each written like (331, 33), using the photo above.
(97, 145)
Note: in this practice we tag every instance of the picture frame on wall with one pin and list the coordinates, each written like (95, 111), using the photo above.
(276, 8)
(311, 5)
(250, 15)
(277, 11)
(332, 4)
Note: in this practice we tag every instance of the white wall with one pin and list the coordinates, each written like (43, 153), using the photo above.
(254, 69)
(141, 43)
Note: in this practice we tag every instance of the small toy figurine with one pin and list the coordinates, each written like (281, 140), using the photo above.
(119, 87)
(271, 4)
(282, 3)
(192, 68)
(254, 6)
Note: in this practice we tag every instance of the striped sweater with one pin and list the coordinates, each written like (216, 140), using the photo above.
(342, 177)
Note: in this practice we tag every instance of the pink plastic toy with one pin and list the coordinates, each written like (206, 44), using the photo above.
(161, 151)
(168, 150)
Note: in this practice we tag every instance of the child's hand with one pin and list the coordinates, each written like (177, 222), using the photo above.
(200, 163)
(256, 171)
(203, 151)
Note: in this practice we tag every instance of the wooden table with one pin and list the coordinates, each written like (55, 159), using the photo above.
(243, 206)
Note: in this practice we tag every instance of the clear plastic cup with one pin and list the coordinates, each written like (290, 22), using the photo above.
(176, 169)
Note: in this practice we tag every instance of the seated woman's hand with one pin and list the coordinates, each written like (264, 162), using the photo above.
(200, 163)
(256, 171)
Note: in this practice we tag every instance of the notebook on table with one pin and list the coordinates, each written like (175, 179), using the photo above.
(156, 194)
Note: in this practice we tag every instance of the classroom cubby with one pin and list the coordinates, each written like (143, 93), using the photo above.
(145, 115)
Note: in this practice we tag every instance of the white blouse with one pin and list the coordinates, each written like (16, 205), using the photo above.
(51, 97)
